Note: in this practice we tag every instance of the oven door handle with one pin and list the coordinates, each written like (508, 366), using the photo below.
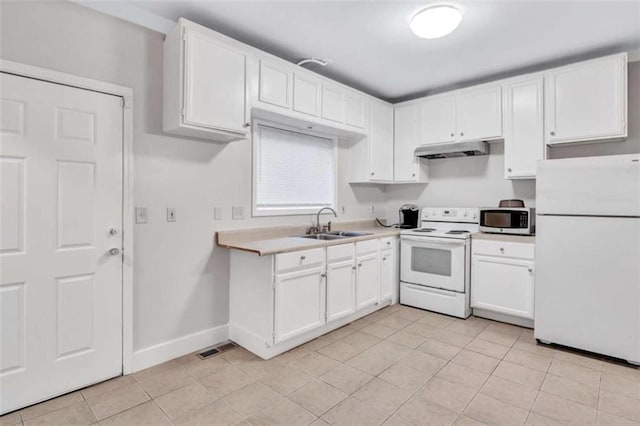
(432, 242)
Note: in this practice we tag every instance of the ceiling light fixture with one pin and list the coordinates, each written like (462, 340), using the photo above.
(435, 21)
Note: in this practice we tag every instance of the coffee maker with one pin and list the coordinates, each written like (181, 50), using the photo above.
(408, 216)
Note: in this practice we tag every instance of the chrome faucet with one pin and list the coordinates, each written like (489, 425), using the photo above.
(317, 229)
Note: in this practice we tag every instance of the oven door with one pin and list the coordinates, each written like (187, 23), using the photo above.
(433, 262)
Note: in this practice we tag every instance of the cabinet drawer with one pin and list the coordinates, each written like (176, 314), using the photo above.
(298, 260)
(503, 248)
(386, 243)
(341, 252)
(366, 247)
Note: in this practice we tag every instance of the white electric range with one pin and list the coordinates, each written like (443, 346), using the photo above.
(435, 261)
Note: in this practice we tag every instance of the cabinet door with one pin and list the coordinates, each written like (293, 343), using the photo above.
(587, 101)
(306, 95)
(438, 119)
(407, 139)
(214, 84)
(355, 110)
(341, 289)
(479, 113)
(380, 141)
(367, 280)
(275, 83)
(387, 279)
(502, 285)
(332, 103)
(299, 303)
(524, 127)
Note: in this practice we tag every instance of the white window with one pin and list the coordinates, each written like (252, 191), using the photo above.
(294, 171)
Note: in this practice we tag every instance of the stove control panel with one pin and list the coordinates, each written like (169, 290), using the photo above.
(451, 214)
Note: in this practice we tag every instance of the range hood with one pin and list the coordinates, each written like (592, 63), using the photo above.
(452, 149)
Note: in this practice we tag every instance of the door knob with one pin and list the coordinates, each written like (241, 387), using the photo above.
(114, 251)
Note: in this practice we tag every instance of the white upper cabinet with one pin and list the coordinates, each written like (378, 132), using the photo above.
(438, 119)
(479, 113)
(332, 103)
(275, 84)
(355, 110)
(306, 95)
(204, 85)
(380, 141)
(407, 139)
(523, 126)
(587, 101)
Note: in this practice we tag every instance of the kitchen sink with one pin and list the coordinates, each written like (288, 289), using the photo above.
(334, 235)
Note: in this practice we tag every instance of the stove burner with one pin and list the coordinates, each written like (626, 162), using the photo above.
(457, 232)
(425, 230)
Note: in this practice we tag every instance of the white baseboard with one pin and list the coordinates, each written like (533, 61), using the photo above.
(166, 351)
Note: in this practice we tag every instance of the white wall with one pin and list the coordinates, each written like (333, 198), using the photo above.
(479, 181)
(181, 277)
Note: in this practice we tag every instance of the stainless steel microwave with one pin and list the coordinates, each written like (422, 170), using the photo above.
(508, 220)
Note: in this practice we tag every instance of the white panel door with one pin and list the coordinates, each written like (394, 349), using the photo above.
(275, 85)
(479, 113)
(306, 95)
(438, 119)
(367, 280)
(380, 141)
(587, 101)
(299, 303)
(332, 103)
(502, 285)
(215, 94)
(61, 195)
(341, 289)
(407, 139)
(523, 127)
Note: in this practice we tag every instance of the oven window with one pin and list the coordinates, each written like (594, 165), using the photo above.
(431, 261)
(497, 220)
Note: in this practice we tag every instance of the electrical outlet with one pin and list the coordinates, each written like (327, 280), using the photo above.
(141, 215)
(171, 214)
(237, 212)
(217, 213)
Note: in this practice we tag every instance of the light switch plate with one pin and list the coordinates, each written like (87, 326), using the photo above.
(237, 212)
(217, 213)
(141, 215)
(171, 214)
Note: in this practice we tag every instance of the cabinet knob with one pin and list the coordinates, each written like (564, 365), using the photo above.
(303, 257)
(509, 169)
(247, 124)
(388, 243)
(384, 258)
(323, 275)
(359, 265)
(372, 173)
(501, 249)
(552, 133)
(452, 134)
(530, 269)
(461, 133)
(413, 175)
(113, 231)
(353, 267)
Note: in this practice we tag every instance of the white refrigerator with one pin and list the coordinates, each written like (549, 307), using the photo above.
(587, 275)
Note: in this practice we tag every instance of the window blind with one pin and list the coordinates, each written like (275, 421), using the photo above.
(294, 171)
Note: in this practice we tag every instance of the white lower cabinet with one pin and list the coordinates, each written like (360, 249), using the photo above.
(502, 284)
(299, 303)
(280, 301)
(341, 281)
(367, 280)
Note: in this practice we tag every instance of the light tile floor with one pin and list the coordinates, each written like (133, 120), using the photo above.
(396, 366)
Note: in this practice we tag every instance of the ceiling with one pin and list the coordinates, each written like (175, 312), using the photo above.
(372, 48)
